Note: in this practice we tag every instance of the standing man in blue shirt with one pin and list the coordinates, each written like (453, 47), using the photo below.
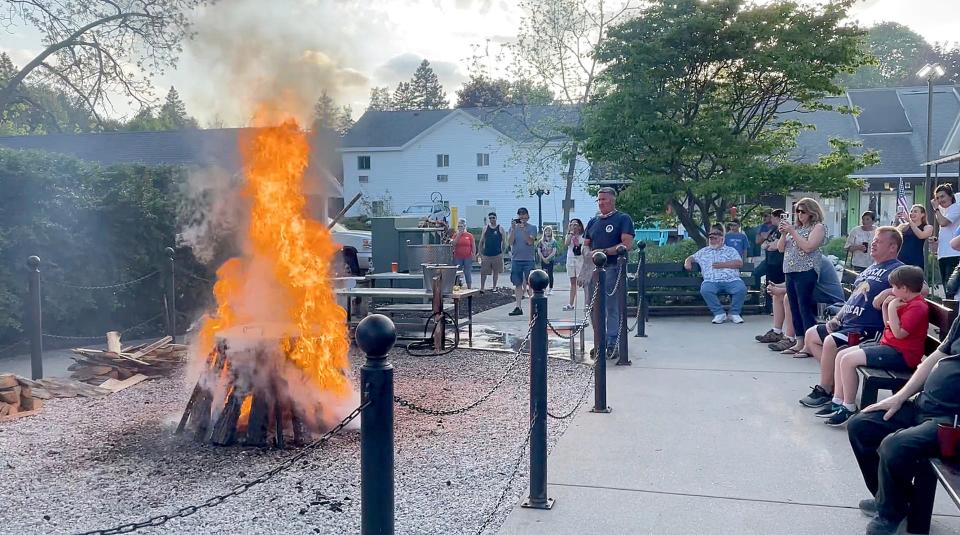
(606, 232)
(737, 239)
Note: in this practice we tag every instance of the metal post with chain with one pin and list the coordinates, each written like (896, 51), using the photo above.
(537, 499)
(642, 292)
(375, 336)
(600, 337)
(214, 501)
(36, 320)
(621, 297)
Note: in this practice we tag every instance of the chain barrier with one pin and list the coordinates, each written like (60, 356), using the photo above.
(616, 285)
(586, 318)
(237, 490)
(101, 337)
(105, 287)
(11, 346)
(193, 275)
(583, 397)
(639, 303)
(506, 489)
(449, 412)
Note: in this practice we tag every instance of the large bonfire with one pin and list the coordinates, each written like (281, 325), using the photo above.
(277, 296)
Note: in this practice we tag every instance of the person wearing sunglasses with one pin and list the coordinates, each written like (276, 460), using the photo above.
(800, 246)
(720, 265)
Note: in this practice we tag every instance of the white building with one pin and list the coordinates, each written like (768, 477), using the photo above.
(478, 160)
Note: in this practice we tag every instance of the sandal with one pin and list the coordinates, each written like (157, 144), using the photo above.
(802, 355)
(790, 351)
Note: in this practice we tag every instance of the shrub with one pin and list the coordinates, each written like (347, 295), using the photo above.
(835, 247)
(672, 252)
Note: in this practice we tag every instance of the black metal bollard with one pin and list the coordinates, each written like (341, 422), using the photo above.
(538, 394)
(600, 336)
(642, 292)
(376, 335)
(36, 320)
(171, 296)
(621, 297)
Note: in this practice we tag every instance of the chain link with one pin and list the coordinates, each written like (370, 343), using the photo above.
(616, 285)
(639, 302)
(506, 489)
(583, 397)
(102, 336)
(106, 287)
(449, 412)
(586, 317)
(238, 489)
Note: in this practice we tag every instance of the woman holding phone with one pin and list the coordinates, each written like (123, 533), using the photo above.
(915, 230)
(800, 244)
(947, 213)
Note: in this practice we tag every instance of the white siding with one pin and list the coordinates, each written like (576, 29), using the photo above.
(409, 176)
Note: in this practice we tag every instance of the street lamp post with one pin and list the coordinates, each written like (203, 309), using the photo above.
(540, 191)
(930, 72)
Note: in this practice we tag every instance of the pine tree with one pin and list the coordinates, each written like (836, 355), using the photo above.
(380, 99)
(173, 113)
(428, 94)
(404, 98)
(324, 113)
(345, 120)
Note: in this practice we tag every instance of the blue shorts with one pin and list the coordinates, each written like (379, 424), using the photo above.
(520, 271)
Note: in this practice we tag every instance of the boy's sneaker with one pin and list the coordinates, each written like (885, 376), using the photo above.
(868, 506)
(827, 411)
(818, 398)
(515, 312)
(736, 318)
(840, 418)
(769, 338)
(719, 318)
(785, 343)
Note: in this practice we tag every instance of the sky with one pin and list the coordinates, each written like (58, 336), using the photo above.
(244, 51)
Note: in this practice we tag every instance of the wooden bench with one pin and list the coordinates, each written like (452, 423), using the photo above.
(872, 380)
(672, 290)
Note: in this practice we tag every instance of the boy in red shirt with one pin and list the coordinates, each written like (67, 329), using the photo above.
(905, 319)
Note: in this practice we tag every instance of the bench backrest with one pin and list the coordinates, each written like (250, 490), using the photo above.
(673, 275)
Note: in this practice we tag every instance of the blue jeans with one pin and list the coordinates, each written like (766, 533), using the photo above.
(466, 264)
(612, 304)
(737, 290)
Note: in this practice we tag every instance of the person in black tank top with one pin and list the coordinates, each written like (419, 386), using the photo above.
(491, 250)
(916, 231)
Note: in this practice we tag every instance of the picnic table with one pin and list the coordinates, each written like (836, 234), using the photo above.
(414, 294)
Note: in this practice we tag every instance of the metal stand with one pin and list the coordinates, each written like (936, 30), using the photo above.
(36, 320)
(172, 296)
(600, 337)
(621, 297)
(642, 293)
(375, 337)
(538, 395)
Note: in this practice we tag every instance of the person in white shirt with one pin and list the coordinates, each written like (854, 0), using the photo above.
(720, 265)
(947, 212)
(859, 240)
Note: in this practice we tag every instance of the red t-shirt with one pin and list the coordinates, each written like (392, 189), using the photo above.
(463, 247)
(914, 318)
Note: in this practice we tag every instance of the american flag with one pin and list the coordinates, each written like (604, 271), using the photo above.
(902, 206)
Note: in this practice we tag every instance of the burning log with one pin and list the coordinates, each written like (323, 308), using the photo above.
(244, 396)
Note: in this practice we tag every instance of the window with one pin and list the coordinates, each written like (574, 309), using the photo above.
(483, 159)
(482, 177)
(363, 162)
(483, 202)
(443, 160)
(442, 178)
(364, 179)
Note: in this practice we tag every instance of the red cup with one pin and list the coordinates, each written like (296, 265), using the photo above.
(949, 438)
(394, 267)
(853, 338)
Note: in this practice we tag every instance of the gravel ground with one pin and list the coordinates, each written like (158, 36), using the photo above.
(85, 464)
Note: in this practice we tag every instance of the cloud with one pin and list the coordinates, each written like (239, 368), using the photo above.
(401, 68)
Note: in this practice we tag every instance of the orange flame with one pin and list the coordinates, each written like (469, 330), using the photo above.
(290, 255)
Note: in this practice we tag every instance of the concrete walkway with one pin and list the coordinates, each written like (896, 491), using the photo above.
(706, 436)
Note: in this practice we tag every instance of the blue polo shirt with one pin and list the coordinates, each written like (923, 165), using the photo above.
(604, 232)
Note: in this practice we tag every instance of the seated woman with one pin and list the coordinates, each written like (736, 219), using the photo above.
(905, 318)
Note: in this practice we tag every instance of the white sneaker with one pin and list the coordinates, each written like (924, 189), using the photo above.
(736, 318)
(719, 318)
(568, 307)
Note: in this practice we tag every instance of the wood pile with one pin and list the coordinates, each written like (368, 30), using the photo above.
(119, 368)
(17, 399)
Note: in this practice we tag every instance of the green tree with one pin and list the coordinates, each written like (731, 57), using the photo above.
(327, 115)
(427, 93)
(482, 91)
(380, 99)
(145, 120)
(403, 97)
(899, 53)
(173, 113)
(691, 106)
